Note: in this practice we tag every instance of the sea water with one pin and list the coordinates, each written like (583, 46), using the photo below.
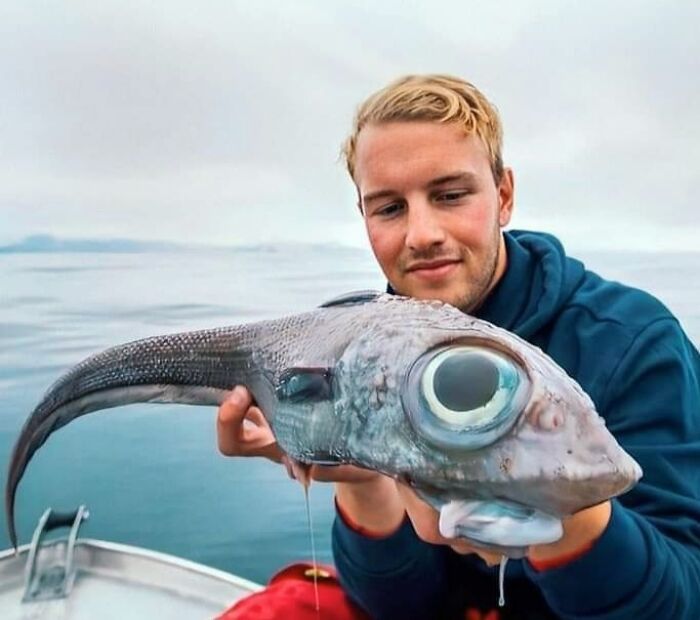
(151, 475)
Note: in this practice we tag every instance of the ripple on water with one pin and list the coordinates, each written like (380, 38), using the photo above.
(32, 300)
(152, 312)
(13, 332)
(68, 269)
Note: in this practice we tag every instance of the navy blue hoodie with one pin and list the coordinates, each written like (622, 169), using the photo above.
(631, 356)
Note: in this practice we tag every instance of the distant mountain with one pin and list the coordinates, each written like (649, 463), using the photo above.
(289, 247)
(48, 243)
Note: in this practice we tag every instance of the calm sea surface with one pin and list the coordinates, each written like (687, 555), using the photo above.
(151, 474)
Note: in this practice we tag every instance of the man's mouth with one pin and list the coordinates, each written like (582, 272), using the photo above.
(434, 269)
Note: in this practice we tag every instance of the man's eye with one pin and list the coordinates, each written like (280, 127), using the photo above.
(453, 196)
(389, 210)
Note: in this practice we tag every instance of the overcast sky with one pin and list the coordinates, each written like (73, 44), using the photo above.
(221, 122)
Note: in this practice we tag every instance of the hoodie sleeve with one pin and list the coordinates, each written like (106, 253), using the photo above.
(646, 565)
(397, 576)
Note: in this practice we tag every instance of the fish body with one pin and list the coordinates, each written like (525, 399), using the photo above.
(452, 405)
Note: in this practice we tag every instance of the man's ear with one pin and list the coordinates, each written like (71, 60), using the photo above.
(506, 197)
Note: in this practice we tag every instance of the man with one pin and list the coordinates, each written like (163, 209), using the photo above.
(425, 157)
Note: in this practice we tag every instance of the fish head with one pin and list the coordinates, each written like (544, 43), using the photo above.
(460, 409)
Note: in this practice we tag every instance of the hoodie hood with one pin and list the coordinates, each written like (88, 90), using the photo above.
(538, 281)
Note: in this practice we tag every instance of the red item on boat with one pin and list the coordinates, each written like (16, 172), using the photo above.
(290, 595)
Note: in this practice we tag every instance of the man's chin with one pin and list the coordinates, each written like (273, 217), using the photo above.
(443, 294)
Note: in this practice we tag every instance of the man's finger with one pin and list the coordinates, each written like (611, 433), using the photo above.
(423, 516)
(230, 427)
(233, 409)
(256, 417)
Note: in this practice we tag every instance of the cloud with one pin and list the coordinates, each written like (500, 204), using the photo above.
(223, 121)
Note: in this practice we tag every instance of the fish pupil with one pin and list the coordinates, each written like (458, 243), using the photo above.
(465, 381)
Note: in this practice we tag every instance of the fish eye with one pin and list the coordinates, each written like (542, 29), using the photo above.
(464, 396)
(463, 386)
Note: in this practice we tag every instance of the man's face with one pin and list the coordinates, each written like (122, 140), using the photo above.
(432, 209)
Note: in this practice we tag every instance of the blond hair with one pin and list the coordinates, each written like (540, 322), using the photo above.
(438, 98)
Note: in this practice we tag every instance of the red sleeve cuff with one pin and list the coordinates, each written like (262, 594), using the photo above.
(562, 560)
(360, 529)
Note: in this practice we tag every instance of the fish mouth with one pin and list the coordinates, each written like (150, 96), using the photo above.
(497, 525)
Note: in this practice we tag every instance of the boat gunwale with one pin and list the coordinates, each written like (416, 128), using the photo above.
(141, 553)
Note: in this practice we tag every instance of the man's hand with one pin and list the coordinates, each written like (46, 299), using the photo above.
(581, 530)
(242, 430)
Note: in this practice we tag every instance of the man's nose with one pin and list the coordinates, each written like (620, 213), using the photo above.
(424, 229)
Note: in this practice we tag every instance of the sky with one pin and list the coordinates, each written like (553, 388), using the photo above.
(221, 122)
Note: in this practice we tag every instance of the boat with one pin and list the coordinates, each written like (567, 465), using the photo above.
(67, 577)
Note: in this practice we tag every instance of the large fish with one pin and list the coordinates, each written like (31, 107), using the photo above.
(482, 424)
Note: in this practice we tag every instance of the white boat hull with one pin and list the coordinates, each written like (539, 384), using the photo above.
(115, 581)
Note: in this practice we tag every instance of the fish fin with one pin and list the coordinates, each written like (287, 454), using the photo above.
(305, 384)
(352, 298)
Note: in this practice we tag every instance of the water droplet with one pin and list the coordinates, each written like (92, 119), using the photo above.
(501, 578)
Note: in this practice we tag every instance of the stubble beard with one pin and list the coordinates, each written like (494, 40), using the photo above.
(478, 285)
(481, 284)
